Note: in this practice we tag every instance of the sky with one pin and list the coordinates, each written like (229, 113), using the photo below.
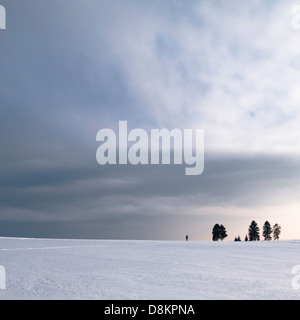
(70, 68)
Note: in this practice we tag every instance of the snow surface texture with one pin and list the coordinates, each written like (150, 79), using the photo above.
(115, 269)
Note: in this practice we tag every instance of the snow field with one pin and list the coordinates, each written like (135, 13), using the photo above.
(140, 269)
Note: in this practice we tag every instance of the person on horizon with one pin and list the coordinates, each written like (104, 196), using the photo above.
(187, 237)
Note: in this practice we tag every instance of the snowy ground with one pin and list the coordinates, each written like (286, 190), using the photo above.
(113, 269)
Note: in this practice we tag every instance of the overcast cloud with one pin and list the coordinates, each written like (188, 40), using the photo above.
(70, 68)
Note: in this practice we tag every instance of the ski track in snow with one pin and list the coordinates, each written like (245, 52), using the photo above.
(138, 269)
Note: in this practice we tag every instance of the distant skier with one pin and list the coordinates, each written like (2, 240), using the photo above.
(187, 237)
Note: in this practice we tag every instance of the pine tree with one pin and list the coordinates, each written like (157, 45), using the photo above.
(276, 231)
(216, 232)
(246, 238)
(219, 232)
(253, 231)
(237, 238)
(223, 232)
(267, 231)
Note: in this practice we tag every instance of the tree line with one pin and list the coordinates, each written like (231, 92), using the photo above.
(219, 232)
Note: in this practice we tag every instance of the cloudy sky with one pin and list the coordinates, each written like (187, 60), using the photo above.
(71, 68)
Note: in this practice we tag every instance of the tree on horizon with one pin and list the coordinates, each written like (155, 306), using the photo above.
(276, 231)
(219, 232)
(253, 232)
(267, 231)
(223, 232)
(215, 232)
(237, 238)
